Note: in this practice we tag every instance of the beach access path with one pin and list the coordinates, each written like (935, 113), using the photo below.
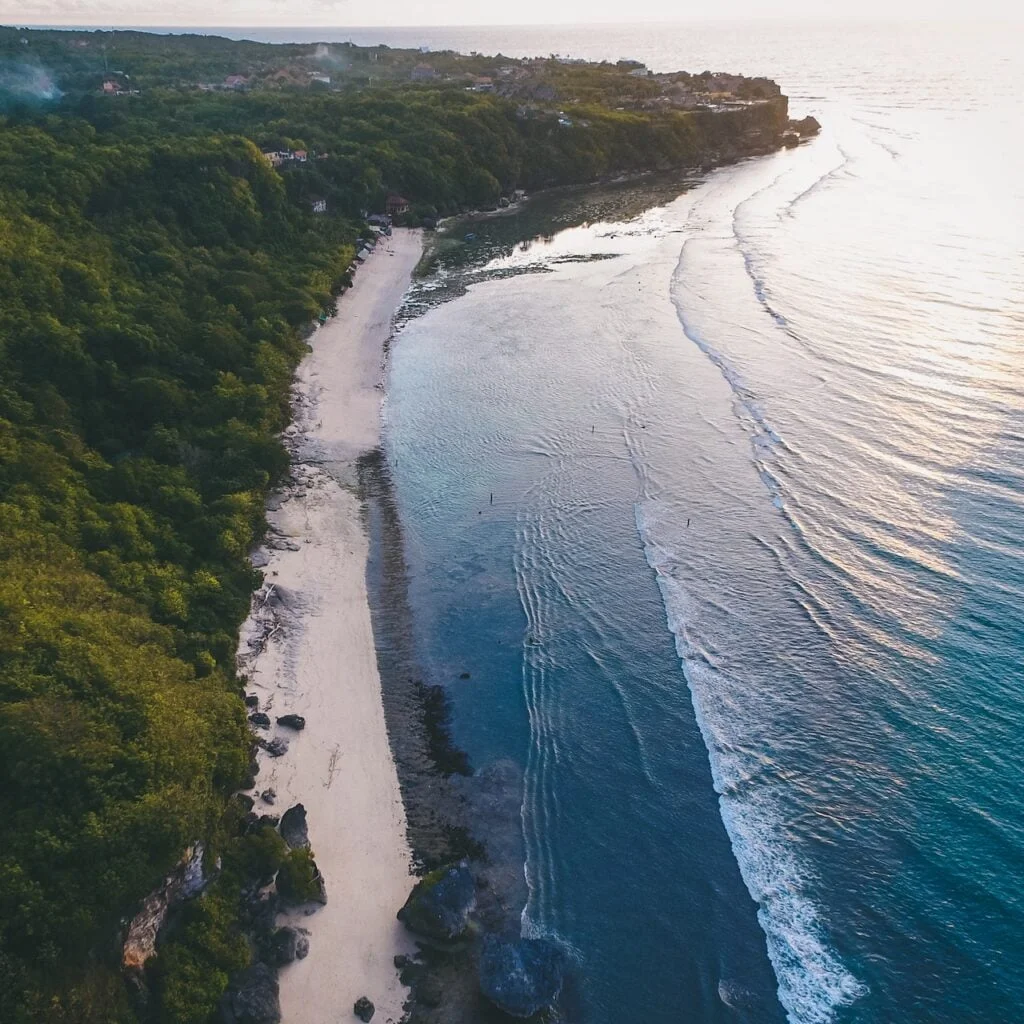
(308, 649)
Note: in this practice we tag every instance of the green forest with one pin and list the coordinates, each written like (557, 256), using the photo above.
(157, 280)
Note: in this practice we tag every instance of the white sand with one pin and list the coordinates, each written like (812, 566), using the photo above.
(321, 664)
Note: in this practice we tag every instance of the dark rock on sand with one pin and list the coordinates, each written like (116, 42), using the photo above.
(296, 722)
(268, 796)
(440, 904)
(287, 945)
(260, 720)
(252, 997)
(523, 977)
(294, 829)
(402, 961)
(275, 747)
(364, 1009)
(251, 700)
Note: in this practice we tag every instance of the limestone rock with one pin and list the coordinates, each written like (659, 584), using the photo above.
(187, 880)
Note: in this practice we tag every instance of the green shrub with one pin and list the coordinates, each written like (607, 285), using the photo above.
(297, 880)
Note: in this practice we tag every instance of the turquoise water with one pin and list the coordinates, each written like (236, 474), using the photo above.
(747, 605)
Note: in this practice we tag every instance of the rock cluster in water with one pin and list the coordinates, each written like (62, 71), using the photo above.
(521, 977)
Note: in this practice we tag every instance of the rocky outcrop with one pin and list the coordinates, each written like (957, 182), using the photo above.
(439, 906)
(187, 880)
(294, 829)
(296, 722)
(521, 978)
(252, 997)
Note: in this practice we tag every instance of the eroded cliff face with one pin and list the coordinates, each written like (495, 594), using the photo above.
(187, 880)
(753, 129)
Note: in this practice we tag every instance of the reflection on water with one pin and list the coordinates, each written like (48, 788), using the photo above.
(782, 412)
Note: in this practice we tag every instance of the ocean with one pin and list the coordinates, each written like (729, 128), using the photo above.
(712, 493)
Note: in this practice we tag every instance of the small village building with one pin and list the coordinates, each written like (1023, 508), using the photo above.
(318, 205)
(395, 205)
(301, 156)
(423, 73)
(275, 158)
(236, 82)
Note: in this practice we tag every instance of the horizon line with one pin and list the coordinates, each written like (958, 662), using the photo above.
(758, 18)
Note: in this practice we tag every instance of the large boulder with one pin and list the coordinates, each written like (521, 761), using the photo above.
(523, 977)
(806, 126)
(252, 997)
(439, 906)
(289, 944)
(364, 1009)
(294, 830)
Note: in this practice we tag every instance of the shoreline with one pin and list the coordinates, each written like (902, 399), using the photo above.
(307, 648)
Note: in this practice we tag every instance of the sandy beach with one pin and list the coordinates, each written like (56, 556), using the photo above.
(308, 649)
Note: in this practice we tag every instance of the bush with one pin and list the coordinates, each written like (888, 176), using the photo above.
(298, 881)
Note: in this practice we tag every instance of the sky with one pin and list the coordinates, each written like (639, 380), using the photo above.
(339, 13)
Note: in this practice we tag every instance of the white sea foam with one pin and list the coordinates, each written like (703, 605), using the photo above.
(813, 981)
